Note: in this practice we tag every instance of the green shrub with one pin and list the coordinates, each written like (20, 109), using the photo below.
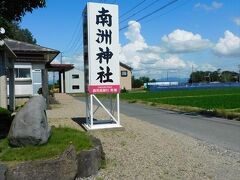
(5, 114)
(5, 122)
(124, 90)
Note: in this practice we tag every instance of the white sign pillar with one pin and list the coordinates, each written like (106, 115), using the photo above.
(101, 62)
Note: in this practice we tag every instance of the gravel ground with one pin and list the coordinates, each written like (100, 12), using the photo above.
(145, 151)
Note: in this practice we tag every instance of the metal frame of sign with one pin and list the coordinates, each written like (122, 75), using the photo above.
(92, 87)
(113, 112)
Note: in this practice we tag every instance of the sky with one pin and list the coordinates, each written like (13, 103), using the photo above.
(187, 36)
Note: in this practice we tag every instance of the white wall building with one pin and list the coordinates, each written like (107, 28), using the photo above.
(74, 81)
(28, 79)
(28, 72)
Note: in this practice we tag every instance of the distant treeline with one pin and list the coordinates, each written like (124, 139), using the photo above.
(138, 82)
(213, 76)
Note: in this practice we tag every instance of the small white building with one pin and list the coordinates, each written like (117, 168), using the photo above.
(23, 71)
(74, 81)
(32, 60)
(28, 79)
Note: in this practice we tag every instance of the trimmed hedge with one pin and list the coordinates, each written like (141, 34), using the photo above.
(4, 113)
(5, 122)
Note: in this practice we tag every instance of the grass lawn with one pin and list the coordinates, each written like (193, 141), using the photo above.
(224, 100)
(60, 139)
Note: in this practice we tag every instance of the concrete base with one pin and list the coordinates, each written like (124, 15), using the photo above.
(102, 127)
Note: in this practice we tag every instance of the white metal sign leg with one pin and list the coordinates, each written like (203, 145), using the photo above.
(112, 122)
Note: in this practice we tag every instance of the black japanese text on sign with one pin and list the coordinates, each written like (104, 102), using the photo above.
(104, 36)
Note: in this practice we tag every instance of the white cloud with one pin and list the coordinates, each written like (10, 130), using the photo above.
(229, 45)
(155, 60)
(236, 20)
(206, 67)
(76, 59)
(172, 61)
(130, 52)
(147, 60)
(209, 7)
(180, 41)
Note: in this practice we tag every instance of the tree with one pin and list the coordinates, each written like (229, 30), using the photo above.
(215, 76)
(153, 80)
(11, 13)
(25, 35)
(137, 83)
(144, 79)
(229, 76)
(13, 31)
(14, 10)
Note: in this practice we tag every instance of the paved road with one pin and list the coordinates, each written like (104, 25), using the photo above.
(221, 132)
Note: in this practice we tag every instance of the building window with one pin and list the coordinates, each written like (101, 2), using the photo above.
(124, 73)
(75, 76)
(22, 73)
(75, 87)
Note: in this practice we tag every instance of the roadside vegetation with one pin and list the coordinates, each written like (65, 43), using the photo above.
(59, 141)
(223, 102)
(5, 114)
(5, 122)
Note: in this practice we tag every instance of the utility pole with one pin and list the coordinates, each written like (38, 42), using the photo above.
(192, 74)
(3, 76)
(167, 75)
(61, 56)
(239, 73)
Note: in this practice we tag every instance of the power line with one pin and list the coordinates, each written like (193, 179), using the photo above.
(139, 11)
(76, 42)
(79, 45)
(69, 45)
(132, 8)
(163, 14)
(146, 16)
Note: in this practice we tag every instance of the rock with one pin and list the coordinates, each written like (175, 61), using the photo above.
(62, 168)
(30, 126)
(89, 161)
(3, 169)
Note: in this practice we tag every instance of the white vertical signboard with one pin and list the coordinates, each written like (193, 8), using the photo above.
(103, 48)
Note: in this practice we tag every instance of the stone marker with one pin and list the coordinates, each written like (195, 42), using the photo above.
(3, 170)
(62, 168)
(30, 126)
(68, 166)
(89, 161)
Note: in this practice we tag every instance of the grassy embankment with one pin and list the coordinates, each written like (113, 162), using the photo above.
(59, 141)
(223, 102)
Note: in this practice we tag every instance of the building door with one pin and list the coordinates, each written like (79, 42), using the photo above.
(37, 80)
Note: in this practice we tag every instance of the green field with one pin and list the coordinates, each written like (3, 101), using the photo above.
(226, 98)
